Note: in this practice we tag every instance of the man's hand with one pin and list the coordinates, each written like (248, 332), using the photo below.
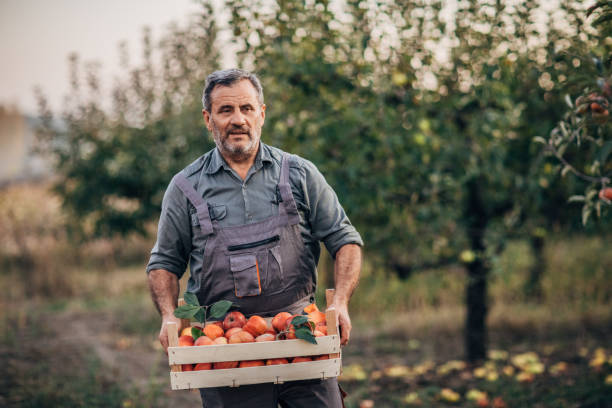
(163, 332)
(344, 321)
(164, 288)
(346, 273)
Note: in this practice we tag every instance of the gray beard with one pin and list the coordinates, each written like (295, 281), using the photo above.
(236, 153)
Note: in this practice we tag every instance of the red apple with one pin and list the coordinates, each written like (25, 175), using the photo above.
(256, 325)
(203, 341)
(225, 364)
(233, 319)
(241, 337)
(278, 321)
(232, 331)
(185, 341)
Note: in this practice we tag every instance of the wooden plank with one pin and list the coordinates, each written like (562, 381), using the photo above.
(331, 318)
(253, 351)
(172, 331)
(254, 375)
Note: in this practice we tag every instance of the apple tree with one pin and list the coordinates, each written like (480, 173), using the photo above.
(581, 142)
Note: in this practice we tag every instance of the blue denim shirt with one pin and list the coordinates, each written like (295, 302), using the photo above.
(233, 201)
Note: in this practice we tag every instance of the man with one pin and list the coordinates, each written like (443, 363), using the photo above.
(249, 218)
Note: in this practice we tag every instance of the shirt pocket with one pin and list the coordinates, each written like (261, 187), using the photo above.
(245, 272)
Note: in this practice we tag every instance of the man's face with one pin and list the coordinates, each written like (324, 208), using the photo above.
(235, 119)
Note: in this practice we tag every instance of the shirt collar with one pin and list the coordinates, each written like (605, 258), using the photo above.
(217, 161)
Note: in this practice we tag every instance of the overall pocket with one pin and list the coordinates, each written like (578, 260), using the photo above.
(245, 270)
(259, 270)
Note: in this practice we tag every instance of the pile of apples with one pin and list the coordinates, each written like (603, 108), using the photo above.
(235, 329)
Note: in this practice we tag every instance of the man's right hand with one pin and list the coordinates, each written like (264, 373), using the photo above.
(163, 332)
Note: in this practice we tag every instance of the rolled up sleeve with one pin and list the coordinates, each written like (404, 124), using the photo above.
(173, 246)
(329, 223)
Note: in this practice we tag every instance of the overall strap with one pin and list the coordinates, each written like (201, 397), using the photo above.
(197, 201)
(287, 206)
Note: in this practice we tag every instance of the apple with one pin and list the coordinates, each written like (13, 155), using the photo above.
(185, 341)
(225, 364)
(203, 341)
(202, 366)
(232, 331)
(256, 325)
(241, 337)
(233, 319)
(220, 340)
(279, 321)
(251, 363)
(275, 361)
(265, 337)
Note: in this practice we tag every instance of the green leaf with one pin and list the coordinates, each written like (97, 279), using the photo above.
(298, 320)
(191, 299)
(196, 332)
(186, 311)
(605, 151)
(305, 334)
(200, 315)
(220, 308)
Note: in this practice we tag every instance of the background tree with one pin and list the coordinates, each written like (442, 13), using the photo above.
(581, 140)
(432, 154)
(115, 163)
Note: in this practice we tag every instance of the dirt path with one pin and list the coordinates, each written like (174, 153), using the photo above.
(72, 338)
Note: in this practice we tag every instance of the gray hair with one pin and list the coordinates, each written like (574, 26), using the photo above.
(229, 77)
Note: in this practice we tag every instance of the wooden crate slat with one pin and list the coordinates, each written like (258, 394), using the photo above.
(253, 351)
(254, 375)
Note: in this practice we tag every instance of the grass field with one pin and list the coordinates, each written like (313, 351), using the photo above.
(78, 330)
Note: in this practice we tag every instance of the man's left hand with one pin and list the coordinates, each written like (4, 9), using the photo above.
(344, 321)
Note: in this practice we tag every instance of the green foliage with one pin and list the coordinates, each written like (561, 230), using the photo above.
(403, 108)
(193, 310)
(581, 141)
(114, 164)
(303, 329)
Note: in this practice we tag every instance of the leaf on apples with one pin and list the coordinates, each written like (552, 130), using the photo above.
(220, 308)
(191, 299)
(200, 315)
(305, 334)
(196, 332)
(186, 311)
(298, 320)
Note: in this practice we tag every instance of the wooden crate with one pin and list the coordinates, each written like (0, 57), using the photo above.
(235, 377)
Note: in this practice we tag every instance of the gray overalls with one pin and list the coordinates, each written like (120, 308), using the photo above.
(257, 266)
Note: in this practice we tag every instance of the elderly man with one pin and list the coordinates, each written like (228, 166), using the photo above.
(249, 218)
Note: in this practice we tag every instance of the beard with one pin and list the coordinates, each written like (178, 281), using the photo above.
(236, 151)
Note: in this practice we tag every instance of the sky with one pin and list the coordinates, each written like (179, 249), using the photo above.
(36, 37)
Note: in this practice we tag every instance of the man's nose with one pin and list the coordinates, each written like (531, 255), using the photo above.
(238, 118)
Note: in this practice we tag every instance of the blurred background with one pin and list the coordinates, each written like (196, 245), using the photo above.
(468, 141)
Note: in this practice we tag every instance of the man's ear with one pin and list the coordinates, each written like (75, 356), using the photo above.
(263, 113)
(206, 115)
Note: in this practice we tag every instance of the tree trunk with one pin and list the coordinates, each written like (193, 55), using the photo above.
(533, 286)
(476, 288)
